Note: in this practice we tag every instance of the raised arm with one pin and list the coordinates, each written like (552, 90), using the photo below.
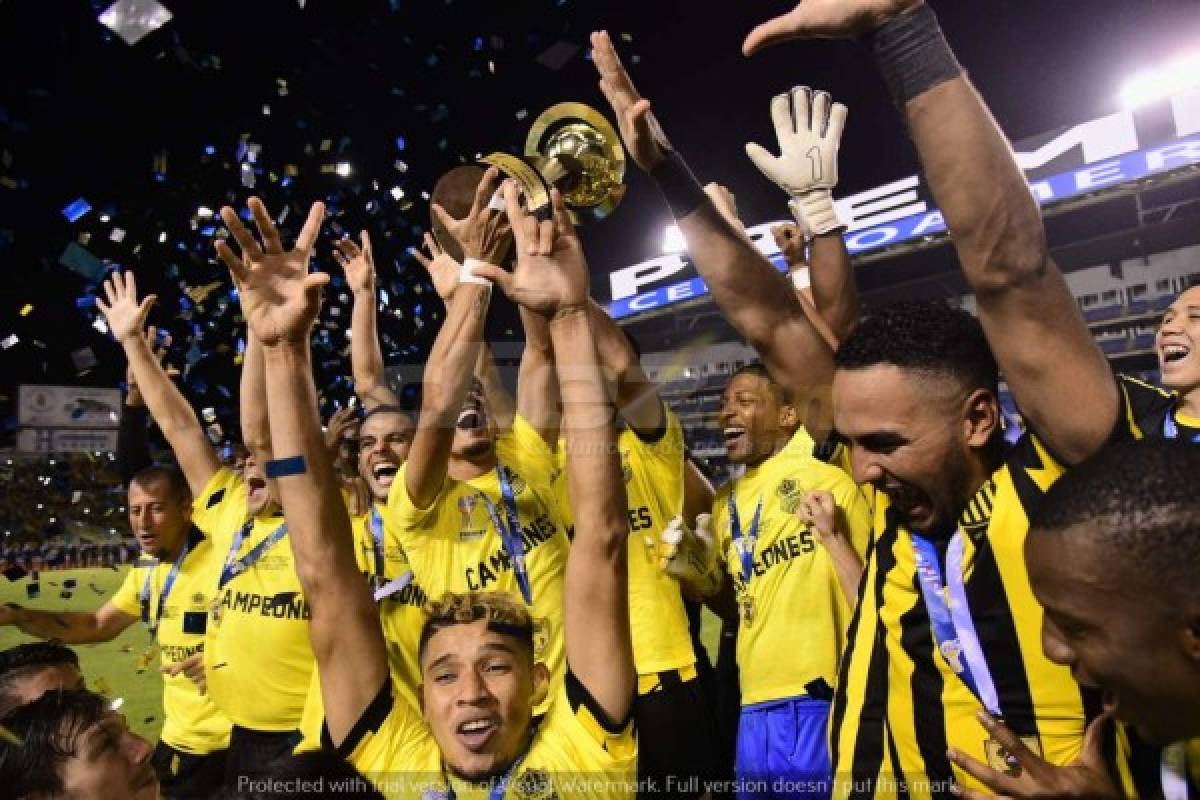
(252, 400)
(637, 396)
(551, 280)
(366, 359)
(452, 359)
(170, 409)
(133, 446)
(280, 300)
(1060, 378)
(537, 384)
(71, 627)
(754, 297)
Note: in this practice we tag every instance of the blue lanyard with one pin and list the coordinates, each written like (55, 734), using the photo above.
(377, 538)
(235, 566)
(167, 586)
(744, 543)
(510, 531)
(1171, 430)
(950, 618)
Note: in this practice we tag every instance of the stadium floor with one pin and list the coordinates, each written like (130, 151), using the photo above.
(111, 668)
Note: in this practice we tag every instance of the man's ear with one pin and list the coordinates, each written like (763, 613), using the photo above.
(541, 684)
(980, 417)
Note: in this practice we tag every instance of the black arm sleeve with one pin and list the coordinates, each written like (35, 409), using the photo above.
(133, 446)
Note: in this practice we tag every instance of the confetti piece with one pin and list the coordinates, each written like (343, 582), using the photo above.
(28, 307)
(79, 259)
(76, 209)
(10, 341)
(132, 20)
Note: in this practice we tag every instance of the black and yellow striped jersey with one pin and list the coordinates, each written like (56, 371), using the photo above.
(898, 705)
(1151, 412)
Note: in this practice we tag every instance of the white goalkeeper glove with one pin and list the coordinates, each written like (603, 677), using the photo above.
(690, 557)
(809, 127)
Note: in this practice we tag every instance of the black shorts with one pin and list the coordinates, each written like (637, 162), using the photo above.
(252, 752)
(188, 776)
(678, 751)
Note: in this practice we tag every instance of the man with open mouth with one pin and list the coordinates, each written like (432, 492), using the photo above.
(472, 507)
(482, 678)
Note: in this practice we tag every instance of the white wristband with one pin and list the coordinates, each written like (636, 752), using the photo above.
(466, 272)
(801, 279)
(815, 213)
(497, 202)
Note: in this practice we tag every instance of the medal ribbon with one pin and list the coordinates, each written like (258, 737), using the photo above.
(377, 539)
(235, 566)
(744, 543)
(510, 531)
(1171, 430)
(950, 618)
(167, 586)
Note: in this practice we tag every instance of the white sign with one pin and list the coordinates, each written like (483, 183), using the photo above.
(67, 407)
(58, 440)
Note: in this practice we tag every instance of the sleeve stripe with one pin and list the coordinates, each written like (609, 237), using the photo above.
(371, 720)
(578, 695)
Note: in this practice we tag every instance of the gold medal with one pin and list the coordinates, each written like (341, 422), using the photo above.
(1003, 761)
(214, 611)
(746, 607)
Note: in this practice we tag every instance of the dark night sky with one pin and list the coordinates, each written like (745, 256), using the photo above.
(83, 114)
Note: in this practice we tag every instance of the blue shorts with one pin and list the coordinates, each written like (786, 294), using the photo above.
(783, 750)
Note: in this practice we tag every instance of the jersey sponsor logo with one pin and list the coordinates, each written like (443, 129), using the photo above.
(285, 605)
(489, 571)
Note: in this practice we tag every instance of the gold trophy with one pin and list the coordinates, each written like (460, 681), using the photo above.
(573, 148)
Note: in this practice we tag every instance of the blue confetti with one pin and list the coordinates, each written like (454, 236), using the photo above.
(400, 143)
(76, 209)
(210, 150)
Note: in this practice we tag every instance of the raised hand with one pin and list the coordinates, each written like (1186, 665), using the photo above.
(441, 266)
(192, 667)
(643, 136)
(357, 262)
(551, 275)
(125, 315)
(808, 127)
(1034, 777)
(483, 234)
(791, 243)
(342, 420)
(826, 19)
(280, 298)
(690, 557)
(159, 349)
(819, 510)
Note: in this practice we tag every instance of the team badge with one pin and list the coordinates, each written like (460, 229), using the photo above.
(789, 495)
(534, 784)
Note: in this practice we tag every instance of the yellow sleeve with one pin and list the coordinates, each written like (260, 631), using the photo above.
(850, 498)
(401, 513)
(600, 744)
(220, 509)
(390, 733)
(524, 449)
(126, 598)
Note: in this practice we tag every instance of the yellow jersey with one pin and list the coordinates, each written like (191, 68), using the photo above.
(898, 704)
(653, 474)
(191, 721)
(400, 614)
(793, 611)
(257, 654)
(454, 546)
(574, 753)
